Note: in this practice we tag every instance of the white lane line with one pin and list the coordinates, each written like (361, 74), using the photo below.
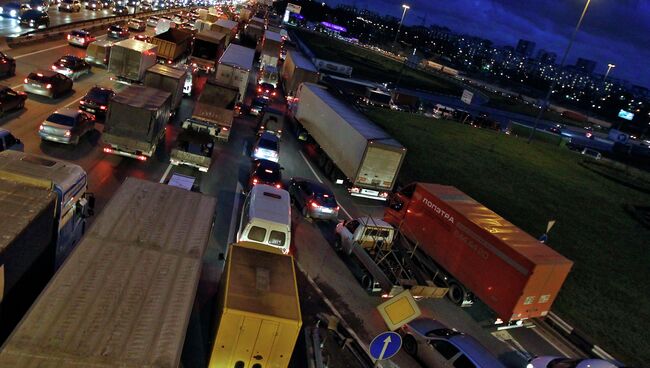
(233, 217)
(169, 168)
(16, 86)
(39, 51)
(75, 101)
(551, 343)
(321, 181)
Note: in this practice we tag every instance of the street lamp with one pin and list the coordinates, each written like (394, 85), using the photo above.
(406, 7)
(553, 83)
(609, 68)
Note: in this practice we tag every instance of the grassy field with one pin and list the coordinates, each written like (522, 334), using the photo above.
(606, 294)
(370, 65)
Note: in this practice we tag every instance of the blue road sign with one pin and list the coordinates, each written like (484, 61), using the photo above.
(385, 345)
(543, 238)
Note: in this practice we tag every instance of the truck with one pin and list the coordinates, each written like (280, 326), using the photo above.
(245, 14)
(478, 253)
(234, 68)
(270, 120)
(271, 46)
(573, 115)
(214, 111)
(252, 35)
(332, 67)
(169, 79)
(135, 122)
(297, 69)
(349, 148)
(227, 27)
(130, 59)
(45, 205)
(99, 52)
(172, 44)
(125, 295)
(258, 315)
(404, 100)
(208, 48)
(193, 148)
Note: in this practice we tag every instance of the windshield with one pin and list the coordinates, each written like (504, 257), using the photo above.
(267, 174)
(98, 95)
(268, 144)
(61, 119)
(325, 199)
(36, 77)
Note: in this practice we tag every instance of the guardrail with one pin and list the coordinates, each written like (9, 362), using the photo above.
(90, 24)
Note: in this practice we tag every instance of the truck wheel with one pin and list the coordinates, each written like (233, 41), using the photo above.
(410, 345)
(456, 293)
(366, 282)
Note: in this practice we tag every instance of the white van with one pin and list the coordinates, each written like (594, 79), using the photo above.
(266, 218)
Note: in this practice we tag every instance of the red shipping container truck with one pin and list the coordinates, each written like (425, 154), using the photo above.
(513, 273)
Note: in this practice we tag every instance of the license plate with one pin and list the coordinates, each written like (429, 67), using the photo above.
(326, 210)
(369, 192)
(91, 110)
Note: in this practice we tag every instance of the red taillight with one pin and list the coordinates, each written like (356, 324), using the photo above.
(279, 186)
(69, 37)
(102, 107)
(224, 129)
(48, 86)
(82, 102)
(41, 127)
(142, 158)
(336, 208)
(273, 94)
(259, 89)
(314, 204)
(26, 81)
(67, 133)
(53, 67)
(254, 180)
(108, 150)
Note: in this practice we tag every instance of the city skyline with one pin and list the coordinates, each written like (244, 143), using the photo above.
(545, 22)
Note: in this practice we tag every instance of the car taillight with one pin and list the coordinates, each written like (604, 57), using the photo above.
(82, 102)
(26, 81)
(41, 127)
(48, 86)
(314, 204)
(273, 94)
(259, 89)
(142, 158)
(255, 180)
(67, 133)
(108, 150)
(53, 67)
(102, 107)
(69, 37)
(279, 186)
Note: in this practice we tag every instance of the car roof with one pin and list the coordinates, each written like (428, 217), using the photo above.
(70, 57)
(4, 132)
(34, 12)
(80, 31)
(314, 186)
(267, 164)
(67, 111)
(423, 325)
(45, 73)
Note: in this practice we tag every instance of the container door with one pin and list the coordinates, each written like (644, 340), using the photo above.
(379, 167)
(264, 344)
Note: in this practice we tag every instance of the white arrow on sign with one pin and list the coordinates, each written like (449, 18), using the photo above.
(387, 341)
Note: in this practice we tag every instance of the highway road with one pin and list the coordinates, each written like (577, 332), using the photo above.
(231, 163)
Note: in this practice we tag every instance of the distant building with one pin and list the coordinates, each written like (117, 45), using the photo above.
(546, 57)
(525, 48)
(586, 65)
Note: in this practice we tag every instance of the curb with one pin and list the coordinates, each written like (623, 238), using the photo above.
(576, 337)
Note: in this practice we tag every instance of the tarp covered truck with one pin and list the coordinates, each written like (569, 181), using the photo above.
(168, 79)
(130, 59)
(208, 48)
(235, 67)
(297, 69)
(172, 44)
(214, 111)
(351, 149)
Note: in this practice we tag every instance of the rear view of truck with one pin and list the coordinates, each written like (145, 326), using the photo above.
(207, 49)
(214, 111)
(135, 122)
(234, 68)
(172, 44)
(130, 59)
(259, 315)
(351, 149)
(168, 79)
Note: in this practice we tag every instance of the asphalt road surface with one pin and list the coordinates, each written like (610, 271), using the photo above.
(229, 171)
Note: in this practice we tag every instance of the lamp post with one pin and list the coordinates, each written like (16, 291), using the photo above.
(554, 82)
(406, 7)
(609, 68)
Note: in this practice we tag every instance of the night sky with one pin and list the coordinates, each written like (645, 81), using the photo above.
(613, 31)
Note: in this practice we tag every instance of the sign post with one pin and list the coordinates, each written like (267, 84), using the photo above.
(399, 310)
(385, 346)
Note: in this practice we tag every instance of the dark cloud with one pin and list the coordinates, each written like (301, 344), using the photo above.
(613, 31)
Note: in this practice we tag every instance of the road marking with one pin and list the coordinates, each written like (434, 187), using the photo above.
(233, 217)
(39, 51)
(75, 101)
(551, 343)
(16, 86)
(169, 168)
(322, 182)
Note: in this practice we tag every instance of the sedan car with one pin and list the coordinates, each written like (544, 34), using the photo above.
(142, 37)
(117, 32)
(314, 199)
(35, 19)
(120, 10)
(145, 7)
(266, 90)
(47, 83)
(152, 21)
(107, 4)
(559, 362)
(71, 66)
(267, 147)
(258, 105)
(70, 5)
(95, 5)
(66, 126)
(80, 37)
(14, 9)
(436, 345)
(40, 5)
(8, 141)
(265, 172)
(137, 25)
(95, 102)
(7, 65)
(11, 100)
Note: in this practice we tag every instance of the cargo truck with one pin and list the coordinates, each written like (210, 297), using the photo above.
(330, 67)
(349, 148)
(214, 111)
(194, 149)
(297, 69)
(207, 49)
(227, 27)
(168, 79)
(234, 68)
(125, 295)
(479, 253)
(130, 59)
(135, 122)
(259, 319)
(99, 52)
(172, 44)
(271, 46)
(44, 205)
(252, 35)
